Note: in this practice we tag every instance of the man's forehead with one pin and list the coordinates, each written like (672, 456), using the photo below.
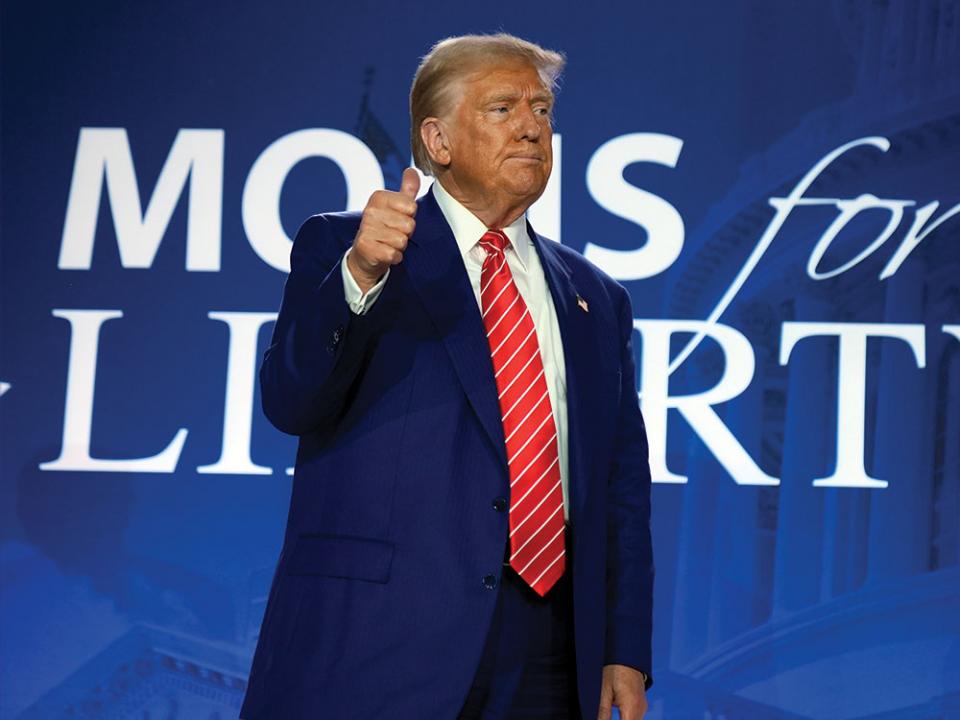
(501, 80)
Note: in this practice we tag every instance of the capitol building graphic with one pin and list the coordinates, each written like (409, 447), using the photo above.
(823, 570)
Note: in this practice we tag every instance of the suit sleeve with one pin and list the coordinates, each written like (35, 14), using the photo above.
(630, 569)
(318, 346)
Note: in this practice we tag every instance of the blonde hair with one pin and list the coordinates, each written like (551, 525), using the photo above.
(453, 58)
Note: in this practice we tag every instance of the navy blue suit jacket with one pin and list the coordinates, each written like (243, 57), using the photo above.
(378, 607)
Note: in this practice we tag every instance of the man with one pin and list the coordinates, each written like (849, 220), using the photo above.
(469, 527)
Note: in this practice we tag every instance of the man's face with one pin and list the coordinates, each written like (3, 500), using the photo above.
(500, 136)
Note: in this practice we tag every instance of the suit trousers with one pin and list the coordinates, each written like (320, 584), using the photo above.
(527, 670)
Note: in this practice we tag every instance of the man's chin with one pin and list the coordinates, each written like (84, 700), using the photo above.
(531, 187)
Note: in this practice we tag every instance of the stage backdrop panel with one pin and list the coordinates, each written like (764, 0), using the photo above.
(776, 183)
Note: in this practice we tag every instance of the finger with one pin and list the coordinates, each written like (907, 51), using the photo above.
(384, 255)
(605, 711)
(398, 202)
(632, 707)
(399, 221)
(376, 250)
(410, 183)
(393, 239)
(388, 249)
(390, 201)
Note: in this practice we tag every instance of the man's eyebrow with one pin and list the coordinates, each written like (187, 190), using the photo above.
(514, 96)
(502, 97)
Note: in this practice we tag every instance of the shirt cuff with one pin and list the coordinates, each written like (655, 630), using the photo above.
(358, 300)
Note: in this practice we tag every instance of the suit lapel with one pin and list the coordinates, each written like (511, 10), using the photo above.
(436, 271)
(435, 268)
(576, 336)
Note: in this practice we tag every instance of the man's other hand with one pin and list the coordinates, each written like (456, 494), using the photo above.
(385, 227)
(624, 687)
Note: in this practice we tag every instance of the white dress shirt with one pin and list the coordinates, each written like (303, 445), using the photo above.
(528, 275)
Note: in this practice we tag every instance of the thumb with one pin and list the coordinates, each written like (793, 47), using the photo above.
(410, 184)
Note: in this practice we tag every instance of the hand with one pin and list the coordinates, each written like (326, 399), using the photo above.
(622, 686)
(385, 227)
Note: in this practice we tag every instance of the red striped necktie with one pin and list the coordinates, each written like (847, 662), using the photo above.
(536, 496)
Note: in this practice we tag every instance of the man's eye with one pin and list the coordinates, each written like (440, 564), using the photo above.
(501, 109)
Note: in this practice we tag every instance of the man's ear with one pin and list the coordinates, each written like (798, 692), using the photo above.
(433, 133)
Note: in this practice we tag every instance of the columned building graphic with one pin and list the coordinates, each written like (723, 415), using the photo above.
(831, 602)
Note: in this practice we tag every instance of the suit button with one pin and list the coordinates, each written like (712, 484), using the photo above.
(490, 581)
(336, 337)
(499, 504)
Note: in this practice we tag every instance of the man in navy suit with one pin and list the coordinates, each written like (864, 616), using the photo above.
(469, 531)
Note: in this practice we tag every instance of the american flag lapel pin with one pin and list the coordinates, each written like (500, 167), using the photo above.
(582, 304)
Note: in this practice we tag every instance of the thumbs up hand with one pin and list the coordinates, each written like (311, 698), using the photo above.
(385, 227)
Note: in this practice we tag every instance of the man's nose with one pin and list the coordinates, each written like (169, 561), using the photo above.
(528, 125)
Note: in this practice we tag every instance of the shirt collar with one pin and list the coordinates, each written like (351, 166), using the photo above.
(468, 228)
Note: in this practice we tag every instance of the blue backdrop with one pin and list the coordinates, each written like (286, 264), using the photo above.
(775, 183)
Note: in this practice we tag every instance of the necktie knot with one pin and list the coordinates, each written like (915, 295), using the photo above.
(494, 241)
